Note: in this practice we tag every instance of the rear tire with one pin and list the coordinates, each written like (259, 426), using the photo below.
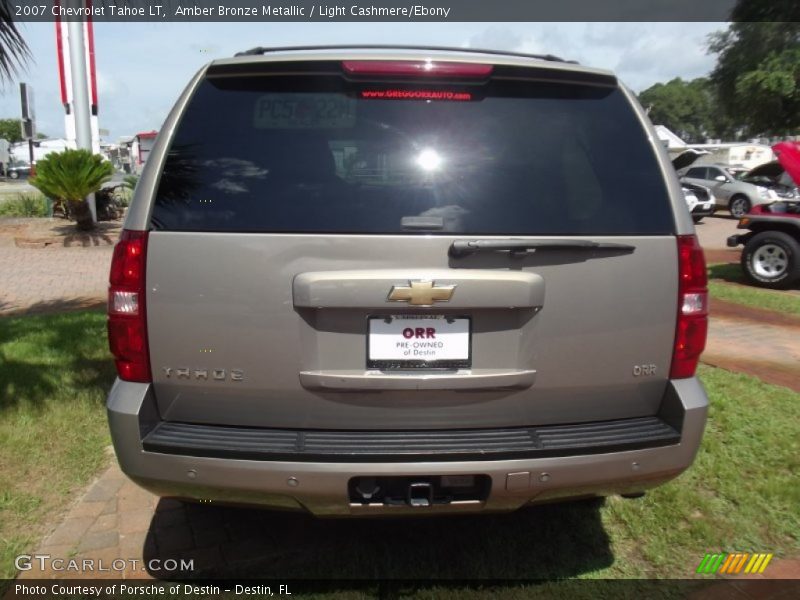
(739, 206)
(697, 219)
(771, 259)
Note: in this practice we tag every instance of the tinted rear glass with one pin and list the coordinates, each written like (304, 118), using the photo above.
(698, 172)
(307, 154)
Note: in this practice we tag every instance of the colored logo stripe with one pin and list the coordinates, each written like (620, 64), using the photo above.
(731, 560)
(734, 563)
(759, 563)
(710, 563)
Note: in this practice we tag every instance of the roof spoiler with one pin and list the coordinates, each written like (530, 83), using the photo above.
(258, 50)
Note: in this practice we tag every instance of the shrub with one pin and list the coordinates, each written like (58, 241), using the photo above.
(70, 176)
(24, 205)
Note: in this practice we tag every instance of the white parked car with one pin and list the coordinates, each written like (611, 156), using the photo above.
(699, 200)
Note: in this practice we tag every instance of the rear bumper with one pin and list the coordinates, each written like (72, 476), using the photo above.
(320, 484)
(706, 209)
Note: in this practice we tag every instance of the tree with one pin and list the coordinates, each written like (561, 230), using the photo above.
(689, 108)
(11, 130)
(13, 49)
(758, 68)
(759, 11)
(774, 87)
(70, 176)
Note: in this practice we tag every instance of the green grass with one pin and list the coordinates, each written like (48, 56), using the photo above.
(726, 282)
(54, 374)
(24, 205)
(740, 495)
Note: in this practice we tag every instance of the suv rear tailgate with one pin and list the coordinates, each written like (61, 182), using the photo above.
(568, 356)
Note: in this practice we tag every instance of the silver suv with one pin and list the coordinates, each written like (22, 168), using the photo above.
(381, 280)
(729, 192)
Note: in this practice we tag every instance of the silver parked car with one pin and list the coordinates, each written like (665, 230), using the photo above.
(728, 190)
(773, 176)
(388, 280)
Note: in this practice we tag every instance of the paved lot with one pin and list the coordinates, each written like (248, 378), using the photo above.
(713, 232)
(9, 188)
(52, 279)
(738, 340)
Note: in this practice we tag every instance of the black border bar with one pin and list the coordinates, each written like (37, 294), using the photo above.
(403, 10)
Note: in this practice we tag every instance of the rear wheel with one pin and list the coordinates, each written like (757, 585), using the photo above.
(739, 206)
(772, 259)
(697, 219)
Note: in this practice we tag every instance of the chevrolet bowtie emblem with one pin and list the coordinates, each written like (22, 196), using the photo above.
(421, 293)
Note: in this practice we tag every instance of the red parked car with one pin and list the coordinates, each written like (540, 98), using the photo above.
(771, 255)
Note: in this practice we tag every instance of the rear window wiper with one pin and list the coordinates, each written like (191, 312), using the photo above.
(460, 248)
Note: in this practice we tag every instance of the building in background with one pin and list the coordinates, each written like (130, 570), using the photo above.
(141, 145)
(733, 154)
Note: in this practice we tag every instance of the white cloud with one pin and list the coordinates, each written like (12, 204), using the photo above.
(641, 54)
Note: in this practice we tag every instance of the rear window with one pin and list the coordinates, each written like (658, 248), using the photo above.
(301, 154)
(697, 172)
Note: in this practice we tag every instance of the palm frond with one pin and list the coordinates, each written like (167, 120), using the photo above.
(13, 49)
(71, 175)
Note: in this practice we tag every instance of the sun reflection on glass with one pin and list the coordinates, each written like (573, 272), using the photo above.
(429, 160)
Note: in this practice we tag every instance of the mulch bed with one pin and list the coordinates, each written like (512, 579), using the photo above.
(43, 233)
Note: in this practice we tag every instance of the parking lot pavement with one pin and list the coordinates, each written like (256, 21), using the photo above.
(9, 188)
(52, 279)
(713, 233)
(741, 340)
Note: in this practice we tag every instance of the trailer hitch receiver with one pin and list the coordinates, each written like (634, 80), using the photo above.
(420, 494)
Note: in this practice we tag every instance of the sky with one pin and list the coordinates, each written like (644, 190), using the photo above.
(143, 67)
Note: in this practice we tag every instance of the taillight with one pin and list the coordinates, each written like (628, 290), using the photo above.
(416, 68)
(692, 326)
(127, 321)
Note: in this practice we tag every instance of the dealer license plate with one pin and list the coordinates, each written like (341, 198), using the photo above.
(411, 342)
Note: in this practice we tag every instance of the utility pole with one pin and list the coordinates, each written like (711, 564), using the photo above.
(80, 95)
(28, 121)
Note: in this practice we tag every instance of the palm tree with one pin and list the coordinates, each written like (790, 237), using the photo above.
(69, 177)
(13, 49)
